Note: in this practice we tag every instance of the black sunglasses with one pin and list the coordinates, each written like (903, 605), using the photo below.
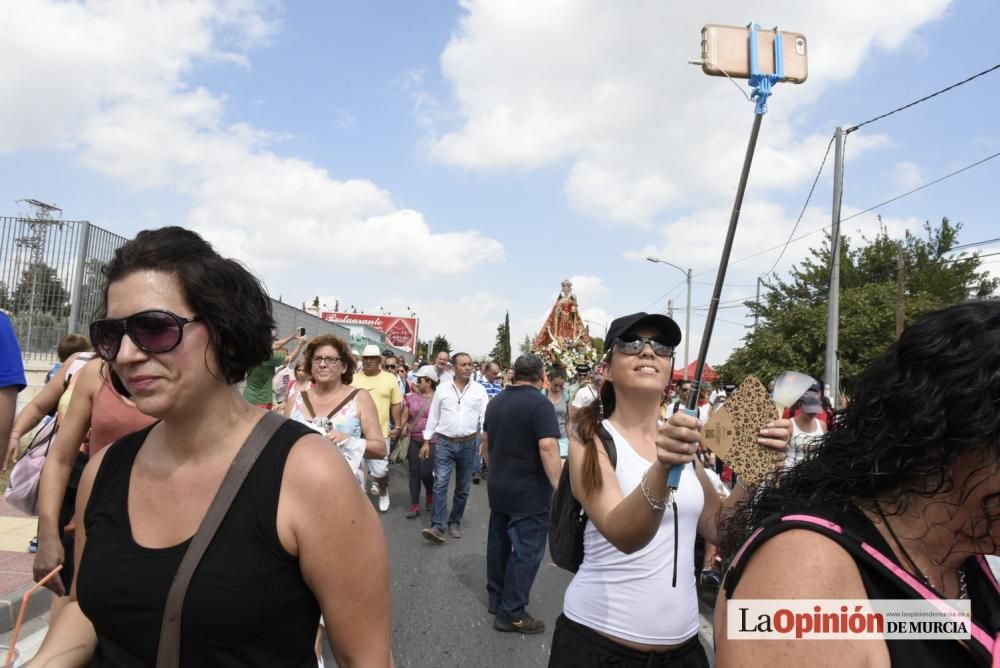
(632, 344)
(152, 331)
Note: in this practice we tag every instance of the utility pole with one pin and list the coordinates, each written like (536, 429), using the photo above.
(687, 318)
(687, 325)
(900, 270)
(832, 378)
(670, 309)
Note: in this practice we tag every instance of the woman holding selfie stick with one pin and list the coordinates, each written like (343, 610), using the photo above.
(623, 606)
(183, 326)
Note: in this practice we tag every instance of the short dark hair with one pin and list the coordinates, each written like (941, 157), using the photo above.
(529, 367)
(70, 344)
(454, 358)
(343, 351)
(557, 373)
(230, 300)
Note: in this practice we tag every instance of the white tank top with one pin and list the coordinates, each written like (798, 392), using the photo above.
(801, 442)
(629, 596)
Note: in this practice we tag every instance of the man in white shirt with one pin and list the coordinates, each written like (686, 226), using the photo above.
(456, 417)
(445, 369)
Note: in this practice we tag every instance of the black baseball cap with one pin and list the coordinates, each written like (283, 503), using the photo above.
(665, 327)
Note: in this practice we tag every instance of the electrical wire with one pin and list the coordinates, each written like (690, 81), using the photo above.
(919, 188)
(923, 99)
(869, 209)
(665, 295)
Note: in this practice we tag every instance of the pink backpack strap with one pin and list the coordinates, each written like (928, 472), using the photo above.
(862, 551)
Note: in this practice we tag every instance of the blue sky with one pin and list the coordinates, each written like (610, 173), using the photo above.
(463, 159)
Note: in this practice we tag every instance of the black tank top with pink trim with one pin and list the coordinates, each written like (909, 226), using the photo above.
(885, 578)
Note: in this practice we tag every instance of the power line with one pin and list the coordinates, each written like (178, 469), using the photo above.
(665, 295)
(987, 242)
(923, 99)
(919, 188)
(868, 210)
(804, 206)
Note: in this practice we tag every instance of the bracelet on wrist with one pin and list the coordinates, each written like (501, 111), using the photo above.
(654, 503)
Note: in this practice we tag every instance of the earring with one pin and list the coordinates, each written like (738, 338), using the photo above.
(600, 408)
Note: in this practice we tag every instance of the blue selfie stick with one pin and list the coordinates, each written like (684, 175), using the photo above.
(761, 84)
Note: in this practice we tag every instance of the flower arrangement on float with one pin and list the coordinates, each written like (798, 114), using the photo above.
(567, 354)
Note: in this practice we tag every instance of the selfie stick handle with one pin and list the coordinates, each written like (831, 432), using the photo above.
(761, 84)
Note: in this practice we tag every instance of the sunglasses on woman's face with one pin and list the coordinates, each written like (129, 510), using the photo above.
(152, 331)
(632, 344)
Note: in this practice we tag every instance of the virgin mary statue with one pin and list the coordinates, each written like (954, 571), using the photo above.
(564, 326)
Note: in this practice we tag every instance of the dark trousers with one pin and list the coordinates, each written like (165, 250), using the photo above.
(515, 546)
(421, 471)
(577, 646)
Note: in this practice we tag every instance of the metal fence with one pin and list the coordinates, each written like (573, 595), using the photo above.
(51, 278)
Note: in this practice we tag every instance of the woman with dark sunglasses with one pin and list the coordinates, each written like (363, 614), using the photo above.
(633, 601)
(183, 327)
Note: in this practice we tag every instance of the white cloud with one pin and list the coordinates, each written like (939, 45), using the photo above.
(907, 175)
(606, 86)
(108, 81)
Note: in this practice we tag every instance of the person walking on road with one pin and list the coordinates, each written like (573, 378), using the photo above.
(444, 367)
(384, 389)
(456, 416)
(520, 442)
(183, 327)
(490, 380)
(416, 405)
(625, 606)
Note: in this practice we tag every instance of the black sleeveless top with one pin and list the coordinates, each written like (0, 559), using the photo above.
(247, 604)
(885, 578)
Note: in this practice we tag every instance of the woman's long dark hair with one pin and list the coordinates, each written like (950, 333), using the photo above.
(587, 424)
(933, 396)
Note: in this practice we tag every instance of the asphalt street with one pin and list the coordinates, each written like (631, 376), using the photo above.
(439, 593)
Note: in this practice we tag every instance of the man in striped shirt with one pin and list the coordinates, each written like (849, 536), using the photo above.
(491, 381)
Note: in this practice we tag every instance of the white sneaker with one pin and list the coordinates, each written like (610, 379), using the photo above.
(383, 502)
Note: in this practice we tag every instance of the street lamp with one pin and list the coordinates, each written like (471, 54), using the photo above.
(687, 317)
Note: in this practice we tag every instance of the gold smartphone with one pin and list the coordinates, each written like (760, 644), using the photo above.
(725, 50)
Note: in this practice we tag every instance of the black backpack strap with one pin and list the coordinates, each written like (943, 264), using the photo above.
(609, 445)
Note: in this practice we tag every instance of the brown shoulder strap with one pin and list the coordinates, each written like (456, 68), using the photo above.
(305, 399)
(168, 653)
(343, 403)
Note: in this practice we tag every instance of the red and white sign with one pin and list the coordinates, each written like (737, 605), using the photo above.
(400, 332)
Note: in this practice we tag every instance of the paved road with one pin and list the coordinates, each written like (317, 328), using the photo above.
(439, 595)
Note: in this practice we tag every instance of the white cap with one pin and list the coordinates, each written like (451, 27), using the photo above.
(371, 351)
(427, 371)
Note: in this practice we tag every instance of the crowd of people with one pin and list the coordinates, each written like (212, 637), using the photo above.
(892, 497)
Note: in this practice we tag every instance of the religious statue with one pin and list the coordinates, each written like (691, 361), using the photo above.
(564, 327)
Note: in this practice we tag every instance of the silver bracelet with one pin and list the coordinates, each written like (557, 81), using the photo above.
(654, 503)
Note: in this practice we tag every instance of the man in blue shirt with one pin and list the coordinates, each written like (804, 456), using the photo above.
(491, 381)
(11, 380)
(520, 441)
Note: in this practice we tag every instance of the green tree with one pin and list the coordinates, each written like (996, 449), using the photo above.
(525, 345)
(791, 331)
(597, 343)
(40, 291)
(440, 343)
(501, 351)
(421, 349)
